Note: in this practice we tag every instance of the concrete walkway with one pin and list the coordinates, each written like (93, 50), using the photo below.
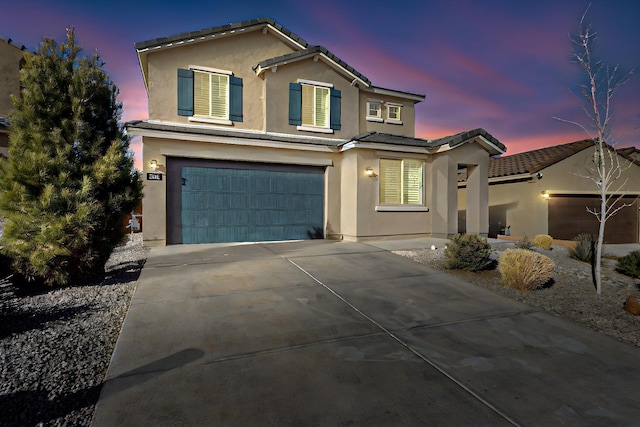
(321, 333)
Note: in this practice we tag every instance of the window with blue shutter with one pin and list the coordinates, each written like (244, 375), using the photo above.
(335, 109)
(235, 99)
(295, 104)
(210, 95)
(185, 92)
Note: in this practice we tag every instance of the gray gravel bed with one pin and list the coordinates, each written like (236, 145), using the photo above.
(55, 346)
(571, 294)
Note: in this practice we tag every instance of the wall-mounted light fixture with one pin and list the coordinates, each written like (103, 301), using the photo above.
(545, 195)
(370, 172)
(154, 164)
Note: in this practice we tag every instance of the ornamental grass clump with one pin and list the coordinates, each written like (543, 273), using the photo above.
(629, 265)
(584, 249)
(468, 252)
(543, 241)
(525, 270)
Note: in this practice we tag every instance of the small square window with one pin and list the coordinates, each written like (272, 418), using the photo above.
(375, 110)
(393, 112)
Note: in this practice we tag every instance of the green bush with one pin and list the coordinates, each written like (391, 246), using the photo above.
(468, 252)
(525, 270)
(543, 241)
(584, 249)
(629, 265)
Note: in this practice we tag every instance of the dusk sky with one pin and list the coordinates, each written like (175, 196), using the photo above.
(495, 64)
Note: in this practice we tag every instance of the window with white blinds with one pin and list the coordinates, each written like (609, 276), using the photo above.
(401, 181)
(315, 106)
(211, 95)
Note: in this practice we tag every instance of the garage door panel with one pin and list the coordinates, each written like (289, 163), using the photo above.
(230, 205)
(568, 217)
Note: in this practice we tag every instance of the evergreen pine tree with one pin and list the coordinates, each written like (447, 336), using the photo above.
(69, 180)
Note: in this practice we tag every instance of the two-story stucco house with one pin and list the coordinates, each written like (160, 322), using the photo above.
(11, 60)
(253, 134)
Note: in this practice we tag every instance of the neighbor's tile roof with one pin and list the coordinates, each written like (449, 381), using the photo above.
(259, 22)
(535, 160)
(311, 51)
(630, 153)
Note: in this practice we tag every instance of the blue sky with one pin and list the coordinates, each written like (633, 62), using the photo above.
(500, 65)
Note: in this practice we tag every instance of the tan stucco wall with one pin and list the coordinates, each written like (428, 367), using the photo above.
(447, 200)
(10, 57)
(360, 195)
(407, 115)
(521, 205)
(277, 97)
(237, 53)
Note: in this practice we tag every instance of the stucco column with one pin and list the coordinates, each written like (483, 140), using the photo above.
(444, 207)
(477, 199)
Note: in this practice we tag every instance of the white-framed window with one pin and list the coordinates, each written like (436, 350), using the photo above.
(210, 95)
(393, 113)
(401, 182)
(315, 106)
(374, 110)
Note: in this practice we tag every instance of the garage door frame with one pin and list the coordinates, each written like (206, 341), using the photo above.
(174, 184)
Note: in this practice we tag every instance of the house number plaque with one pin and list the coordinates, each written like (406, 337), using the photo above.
(151, 176)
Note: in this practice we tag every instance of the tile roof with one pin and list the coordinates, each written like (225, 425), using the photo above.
(630, 153)
(453, 140)
(259, 23)
(10, 42)
(533, 161)
(214, 131)
(310, 51)
(387, 138)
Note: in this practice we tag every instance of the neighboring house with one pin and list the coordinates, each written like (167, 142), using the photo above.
(542, 192)
(11, 60)
(253, 134)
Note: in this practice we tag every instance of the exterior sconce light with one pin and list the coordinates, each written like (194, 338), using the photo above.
(154, 164)
(545, 195)
(370, 173)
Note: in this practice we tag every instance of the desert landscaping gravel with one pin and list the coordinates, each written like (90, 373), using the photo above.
(55, 345)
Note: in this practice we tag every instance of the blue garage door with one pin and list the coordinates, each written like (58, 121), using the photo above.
(248, 205)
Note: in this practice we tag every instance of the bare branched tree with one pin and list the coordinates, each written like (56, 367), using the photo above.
(606, 169)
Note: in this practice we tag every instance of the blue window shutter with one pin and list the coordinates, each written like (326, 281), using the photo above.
(295, 104)
(185, 92)
(235, 99)
(335, 109)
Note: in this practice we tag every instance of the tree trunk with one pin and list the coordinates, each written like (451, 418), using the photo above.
(603, 219)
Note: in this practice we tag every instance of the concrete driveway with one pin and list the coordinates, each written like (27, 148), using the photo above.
(321, 333)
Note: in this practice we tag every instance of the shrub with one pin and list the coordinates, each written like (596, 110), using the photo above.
(525, 270)
(543, 241)
(629, 265)
(468, 252)
(524, 243)
(584, 249)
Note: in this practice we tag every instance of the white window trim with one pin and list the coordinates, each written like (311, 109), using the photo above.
(374, 118)
(314, 83)
(389, 119)
(201, 119)
(210, 70)
(393, 122)
(401, 208)
(314, 129)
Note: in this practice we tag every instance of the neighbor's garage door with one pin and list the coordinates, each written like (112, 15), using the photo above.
(246, 202)
(568, 217)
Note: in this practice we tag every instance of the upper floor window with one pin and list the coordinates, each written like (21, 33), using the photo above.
(401, 181)
(314, 106)
(393, 113)
(374, 110)
(210, 95)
